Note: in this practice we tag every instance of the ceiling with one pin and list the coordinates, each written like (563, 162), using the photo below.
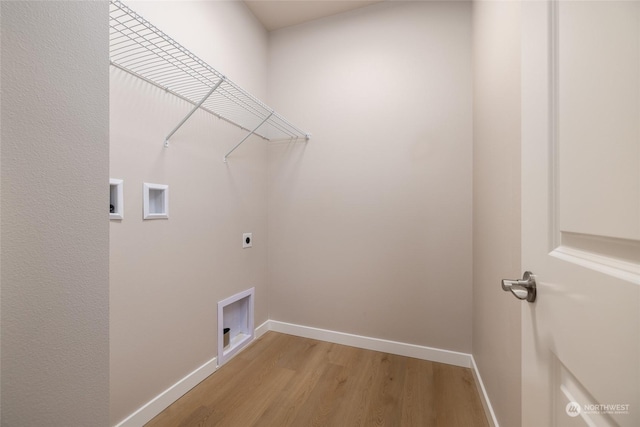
(276, 14)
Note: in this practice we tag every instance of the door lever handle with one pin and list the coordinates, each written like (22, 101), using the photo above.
(524, 289)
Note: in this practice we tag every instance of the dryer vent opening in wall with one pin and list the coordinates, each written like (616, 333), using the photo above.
(235, 316)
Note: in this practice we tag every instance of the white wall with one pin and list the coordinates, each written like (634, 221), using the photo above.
(385, 90)
(369, 224)
(370, 221)
(168, 275)
(55, 364)
(0, 218)
(496, 203)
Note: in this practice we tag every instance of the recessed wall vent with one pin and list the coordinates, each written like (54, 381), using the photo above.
(236, 314)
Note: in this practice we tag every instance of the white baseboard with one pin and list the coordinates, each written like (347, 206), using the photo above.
(261, 330)
(159, 403)
(484, 397)
(173, 393)
(410, 350)
(377, 344)
(162, 401)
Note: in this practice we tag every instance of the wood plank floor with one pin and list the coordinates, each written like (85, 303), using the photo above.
(281, 380)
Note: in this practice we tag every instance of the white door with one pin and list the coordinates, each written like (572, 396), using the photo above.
(581, 212)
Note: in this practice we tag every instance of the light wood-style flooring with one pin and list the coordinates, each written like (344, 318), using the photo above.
(282, 380)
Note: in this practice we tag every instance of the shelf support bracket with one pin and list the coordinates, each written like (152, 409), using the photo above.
(193, 110)
(247, 136)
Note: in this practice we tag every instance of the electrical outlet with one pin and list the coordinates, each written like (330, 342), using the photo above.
(247, 240)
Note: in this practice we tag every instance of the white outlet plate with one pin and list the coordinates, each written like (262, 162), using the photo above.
(247, 240)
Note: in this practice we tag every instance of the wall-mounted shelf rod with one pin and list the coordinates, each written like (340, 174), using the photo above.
(247, 136)
(141, 49)
(193, 110)
(188, 100)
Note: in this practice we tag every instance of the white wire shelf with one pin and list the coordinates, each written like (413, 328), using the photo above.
(138, 47)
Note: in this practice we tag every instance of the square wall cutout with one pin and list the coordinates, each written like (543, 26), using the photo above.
(116, 199)
(235, 320)
(156, 201)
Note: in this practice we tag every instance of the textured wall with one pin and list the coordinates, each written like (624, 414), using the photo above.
(168, 275)
(55, 235)
(370, 221)
(496, 204)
